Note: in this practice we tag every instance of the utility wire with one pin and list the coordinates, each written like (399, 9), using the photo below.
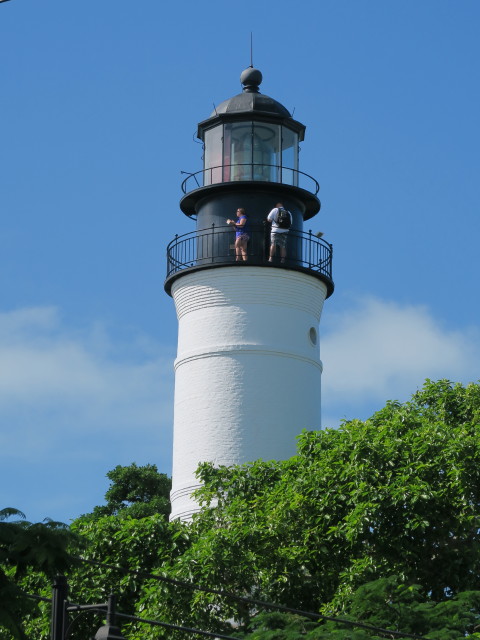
(154, 623)
(29, 595)
(157, 623)
(210, 634)
(254, 601)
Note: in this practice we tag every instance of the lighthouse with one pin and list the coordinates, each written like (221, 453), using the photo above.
(248, 368)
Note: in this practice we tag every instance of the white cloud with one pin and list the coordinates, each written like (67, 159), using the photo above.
(378, 350)
(74, 403)
(56, 382)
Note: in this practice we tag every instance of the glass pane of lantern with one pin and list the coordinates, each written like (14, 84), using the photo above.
(266, 152)
(238, 150)
(289, 157)
(213, 156)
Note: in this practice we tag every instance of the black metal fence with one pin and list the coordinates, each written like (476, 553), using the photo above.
(215, 246)
(250, 172)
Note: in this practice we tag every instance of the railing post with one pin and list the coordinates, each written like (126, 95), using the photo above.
(59, 597)
(176, 252)
(110, 631)
(111, 609)
(213, 240)
(309, 248)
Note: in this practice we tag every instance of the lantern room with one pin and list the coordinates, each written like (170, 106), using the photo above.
(242, 142)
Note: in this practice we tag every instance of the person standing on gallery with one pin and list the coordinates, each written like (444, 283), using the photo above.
(242, 235)
(281, 221)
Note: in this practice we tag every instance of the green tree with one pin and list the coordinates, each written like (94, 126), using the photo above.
(376, 521)
(398, 494)
(25, 547)
(130, 533)
(116, 548)
(136, 492)
(386, 604)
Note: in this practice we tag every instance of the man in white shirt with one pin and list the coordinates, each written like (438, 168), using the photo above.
(281, 220)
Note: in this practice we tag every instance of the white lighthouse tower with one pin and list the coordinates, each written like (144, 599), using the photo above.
(248, 368)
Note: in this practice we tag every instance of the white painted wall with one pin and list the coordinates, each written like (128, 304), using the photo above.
(247, 374)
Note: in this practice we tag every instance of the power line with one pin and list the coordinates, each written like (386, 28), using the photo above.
(157, 623)
(29, 595)
(71, 606)
(210, 634)
(254, 601)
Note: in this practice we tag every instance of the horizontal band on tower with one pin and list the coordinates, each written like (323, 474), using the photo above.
(244, 349)
(184, 491)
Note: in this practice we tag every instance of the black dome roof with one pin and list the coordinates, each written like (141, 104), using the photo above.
(251, 99)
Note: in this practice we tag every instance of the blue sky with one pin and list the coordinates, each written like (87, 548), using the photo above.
(99, 107)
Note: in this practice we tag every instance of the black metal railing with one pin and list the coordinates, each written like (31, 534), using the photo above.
(250, 172)
(215, 246)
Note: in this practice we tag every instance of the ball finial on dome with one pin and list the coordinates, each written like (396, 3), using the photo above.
(251, 78)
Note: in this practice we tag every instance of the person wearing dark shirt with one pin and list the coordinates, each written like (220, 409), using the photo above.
(242, 235)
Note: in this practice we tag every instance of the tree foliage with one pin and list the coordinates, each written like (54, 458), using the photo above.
(383, 604)
(376, 521)
(129, 534)
(398, 494)
(136, 492)
(25, 547)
